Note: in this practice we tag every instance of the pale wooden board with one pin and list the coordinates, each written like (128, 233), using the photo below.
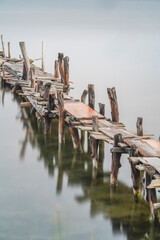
(152, 161)
(154, 184)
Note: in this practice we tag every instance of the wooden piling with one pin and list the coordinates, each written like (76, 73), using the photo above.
(47, 88)
(114, 104)
(91, 96)
(139, 126)
(51, 102)
(43, 56)
(3, 48)
(116, 156)
(61, 66)
(84, 95)
(9, 50)
(32, 73)
(66, 71)
(75, 138)
(94, 143)
(47, 125)
(102, 109)
(60, 99)
(56, 69)
(39, 86)
(25, 58)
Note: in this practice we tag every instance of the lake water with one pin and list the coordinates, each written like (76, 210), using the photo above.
(48, 193)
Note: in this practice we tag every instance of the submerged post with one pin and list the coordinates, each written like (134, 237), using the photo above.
(43, 56)
(2, 41)
(91, 96)
(139, 126)
(114, 104)
(102, 109)
(56, 69)
(9, 50)
(26, 59)
(60, 99)
(116, 156)
(84, 95)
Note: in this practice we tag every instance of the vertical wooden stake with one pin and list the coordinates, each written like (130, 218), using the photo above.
(94, 142)
(115, 160)
(56, 69)
(114, 104)
(102, 109)
(32, 71)
(75, 138)
(61, 66)
(25, 58)
(43, 56)
(9, 50)
(66, 71)
(139, 126)
(60, 99)
(84, 95)
(3, 71)
(39, 86)
(47, 88)
(2, 40)
(47, 125)
(91, 96)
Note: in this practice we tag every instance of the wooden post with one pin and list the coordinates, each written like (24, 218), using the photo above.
(102, 109)
(43, 56)
(135, 174)
(91, 96)
(61, 66)
(84, 95)
(116, 156)
(75, 138)
(47, 125)
(32, 72)
(39, 86)
(47, 88)
(3, 71)
(114, 104)
(60, 99)
(139, 126)
(2, 40)
(9, 50)
(66, 71)
(51, 102)
(94, 142)
(56, 69)
(25, 58)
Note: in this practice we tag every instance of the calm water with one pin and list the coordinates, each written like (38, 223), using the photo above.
(52, 193)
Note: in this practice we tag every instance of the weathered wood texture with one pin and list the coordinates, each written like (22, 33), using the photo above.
(114, 104)
(47, 88)
(25, 58)
(9, 50)
(32, 73)
(66, 71)
(43, 56)
(3, 48)
(56, 69)
(60, 99)
(84, 95)
(102, 109)
(75, 138)
(91, 96)
(61, 66)
(139, 126)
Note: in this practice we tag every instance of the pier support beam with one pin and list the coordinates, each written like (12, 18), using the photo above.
(47, 125)
(39, 86)
(26, 59)
(56, 69)
(94, 143)
(3, 48)
(60, 99)
(9, 50)
(116, 156)
(91, 96)
(32, 72)
(135, 174)
(84, 95)
(114, 104)
(47, 88)
(139, 126)
(61, 66)
(75, 138)
(102, 109)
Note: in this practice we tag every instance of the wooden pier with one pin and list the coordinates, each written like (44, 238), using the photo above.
(48, 97)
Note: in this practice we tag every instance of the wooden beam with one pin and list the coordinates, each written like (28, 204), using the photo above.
(3, 48)
(91, 96)
(32, 72)
(47, 88)
(43, 56)
(25, 104)
(75, 138)
(61, 66)
(25, 58)
(114, 104)
(9, 50)
(139, 126)
(60, 99)
(56, 69)
(66, 71)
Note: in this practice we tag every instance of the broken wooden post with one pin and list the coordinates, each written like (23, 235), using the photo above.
(51, 102)
(75, 138)
(2, 40)
(135, 174)
(32, 72)
(91, 96)
(66, 71)
(116, 156)
(61, 66)
(47, 88)
(94, 142)
(43, 56)
(26, 59)
(139, 126)
(24, 74)
(39, 86)
(56, 69)
(9, 50)
(102, 109)
(84, 95)
(114, 104)
(60, 99)
(47, 125)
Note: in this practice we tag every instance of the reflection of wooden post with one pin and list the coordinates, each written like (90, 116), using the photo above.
(61, 66)
(56, 69)
(75, 138)
(43, 56)
(32, 71)
(47, 88)
(114, 104)
(91, 96)
(116, 156)
(4, 54)
(94, 142)
(135, 174)
(47, 125)
(139, 126)
(102, 109)
(9, 50)
(60, 99)
(84, 95)
(26, 59)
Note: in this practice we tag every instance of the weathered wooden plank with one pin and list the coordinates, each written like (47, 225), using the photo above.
(152, 161)
(155, 183)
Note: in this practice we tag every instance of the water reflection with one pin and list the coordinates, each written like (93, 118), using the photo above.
(116, 204)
